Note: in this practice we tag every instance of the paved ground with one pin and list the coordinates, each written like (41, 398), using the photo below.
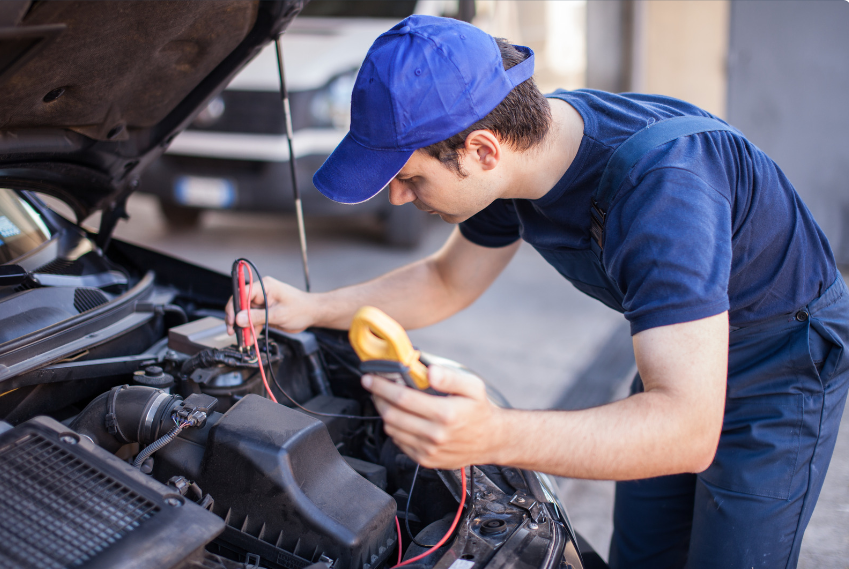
(532, 335)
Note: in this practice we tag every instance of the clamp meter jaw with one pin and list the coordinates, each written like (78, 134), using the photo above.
(394, 371)
(385, 349)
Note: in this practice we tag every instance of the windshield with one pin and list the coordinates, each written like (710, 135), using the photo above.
(21, 227)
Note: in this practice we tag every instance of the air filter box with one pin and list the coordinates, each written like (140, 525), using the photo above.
(288, 495)
(64, 502)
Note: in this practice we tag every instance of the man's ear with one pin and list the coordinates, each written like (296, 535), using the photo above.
(482, 148)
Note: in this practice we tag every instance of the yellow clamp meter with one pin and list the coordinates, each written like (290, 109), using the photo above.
(385, 349)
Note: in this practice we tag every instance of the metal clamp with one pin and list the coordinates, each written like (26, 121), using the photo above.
(534, 508)
(111, 418)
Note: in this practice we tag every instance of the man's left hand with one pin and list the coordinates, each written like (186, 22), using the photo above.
(439, 432)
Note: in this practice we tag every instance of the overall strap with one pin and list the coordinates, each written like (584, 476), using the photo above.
(630, 152)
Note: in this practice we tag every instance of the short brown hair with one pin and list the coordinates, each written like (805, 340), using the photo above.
(521, 119)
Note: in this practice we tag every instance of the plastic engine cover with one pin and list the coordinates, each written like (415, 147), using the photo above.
(287, 494)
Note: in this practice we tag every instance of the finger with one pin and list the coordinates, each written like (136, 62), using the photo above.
(417, 426)
(410, 451)
(408, 399)
(228, 316)
(257, 298)
(456, 382)
(424, 453)
(406, 441)
(257, 316)
(412, 446)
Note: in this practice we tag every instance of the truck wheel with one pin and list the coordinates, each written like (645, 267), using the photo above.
(180, 217)
(404, 226)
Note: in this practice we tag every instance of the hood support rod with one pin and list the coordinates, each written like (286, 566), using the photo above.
(112, 214)
(299, 210)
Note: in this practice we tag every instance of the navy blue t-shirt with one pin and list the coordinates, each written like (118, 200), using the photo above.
(703, 224)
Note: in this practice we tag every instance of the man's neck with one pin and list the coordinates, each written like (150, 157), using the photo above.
(535, 172)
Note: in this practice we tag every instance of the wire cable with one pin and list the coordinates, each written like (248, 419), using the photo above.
(407, 509)
(472, 490)
(159, 443)
(341, 361)
(398, 527)
(442, 541)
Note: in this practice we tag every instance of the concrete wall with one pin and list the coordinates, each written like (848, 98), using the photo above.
(788, 91)
(670, 47)
(681, 50)
(609, 43)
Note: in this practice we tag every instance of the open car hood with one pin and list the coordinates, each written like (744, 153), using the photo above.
(91, 92)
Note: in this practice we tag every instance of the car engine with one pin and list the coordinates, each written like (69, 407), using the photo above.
(133, 433)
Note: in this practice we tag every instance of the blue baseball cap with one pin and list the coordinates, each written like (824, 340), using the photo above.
(423, 81)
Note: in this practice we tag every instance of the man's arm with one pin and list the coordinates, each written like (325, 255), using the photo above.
(417, 295)
(672, 427)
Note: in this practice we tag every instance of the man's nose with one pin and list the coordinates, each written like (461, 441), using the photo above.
(399, 193)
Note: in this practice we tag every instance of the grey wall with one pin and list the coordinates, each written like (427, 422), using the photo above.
(609, 33)
(788, 91)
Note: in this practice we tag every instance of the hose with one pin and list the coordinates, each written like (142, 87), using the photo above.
(129, 407)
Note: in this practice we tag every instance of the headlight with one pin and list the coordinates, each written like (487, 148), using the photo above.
(331, 106)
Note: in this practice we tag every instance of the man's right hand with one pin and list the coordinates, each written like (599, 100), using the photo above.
(289, 309)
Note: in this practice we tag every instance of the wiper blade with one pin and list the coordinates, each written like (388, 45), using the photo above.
(98, 280)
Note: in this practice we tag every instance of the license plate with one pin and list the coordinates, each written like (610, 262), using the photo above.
(198, 191)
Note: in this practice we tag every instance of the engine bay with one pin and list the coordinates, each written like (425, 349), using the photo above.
(118, 365)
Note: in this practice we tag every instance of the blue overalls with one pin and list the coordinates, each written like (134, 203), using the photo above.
(787, 384)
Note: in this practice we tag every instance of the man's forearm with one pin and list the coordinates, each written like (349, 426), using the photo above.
(672, 427)
(415, 295)
(421, 293)
(639, 437)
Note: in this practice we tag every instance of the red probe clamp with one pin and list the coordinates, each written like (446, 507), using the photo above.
(244, 336)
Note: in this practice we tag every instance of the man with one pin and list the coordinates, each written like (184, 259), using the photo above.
(737, 311)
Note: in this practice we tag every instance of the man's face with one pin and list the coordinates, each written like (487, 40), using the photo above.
(433, 188)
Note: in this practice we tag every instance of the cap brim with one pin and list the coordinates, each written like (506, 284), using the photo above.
(353, 173)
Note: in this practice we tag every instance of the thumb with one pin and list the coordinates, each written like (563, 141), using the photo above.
(257, 315)
(456, 382)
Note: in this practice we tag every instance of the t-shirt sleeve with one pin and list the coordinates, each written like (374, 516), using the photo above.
(497, 225)
(668, 247)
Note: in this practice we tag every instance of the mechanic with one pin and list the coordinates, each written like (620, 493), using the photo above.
(737, 311)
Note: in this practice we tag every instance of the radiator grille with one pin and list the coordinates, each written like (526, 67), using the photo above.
(57, 511)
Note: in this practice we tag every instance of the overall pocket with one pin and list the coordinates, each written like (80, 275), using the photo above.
(824, 349)
(759, 446)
